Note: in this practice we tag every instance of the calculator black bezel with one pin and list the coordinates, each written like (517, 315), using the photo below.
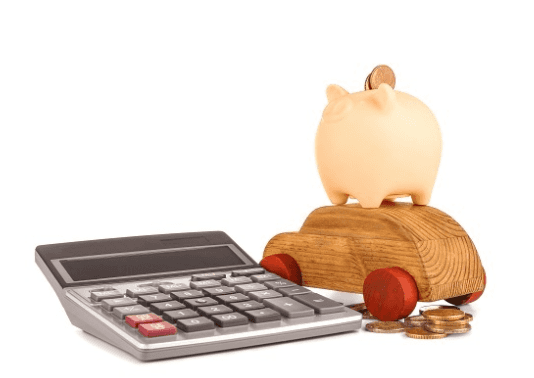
(127, 245)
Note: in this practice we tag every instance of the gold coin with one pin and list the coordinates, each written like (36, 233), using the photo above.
(385, 327)
(447, 329)
(358, 307)
(435, 307)
(381, 74)
(452, 323)
(421, 333)
(415, 321)
(367, 87)
(444, 314)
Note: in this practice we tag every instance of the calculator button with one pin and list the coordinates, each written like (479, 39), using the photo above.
(203, 284)
(231, 298)
(137, 291)
(157, 329)
(265, 277)
(161, 307)
(167, 288)
(208, 276)
(199, 302)
(219, 290)
(186, 294)
(247, 306)
(245, 288)
(289, 307)
(147, 300)
(155, 284)
(264, 315)
(122, 312)
(247, 272)
(264, 294)
(110, 304)
(293, 290)
(195, 324)
(230, 320)
(278, 284)
(214, 310)
(232, 281)
(173, 316)
(320, 304)
(101, 295)
(134, 320)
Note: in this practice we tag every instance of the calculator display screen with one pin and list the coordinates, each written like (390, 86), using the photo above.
(138, 264)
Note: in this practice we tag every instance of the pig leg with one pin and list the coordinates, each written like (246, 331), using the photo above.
(421, 198)
(337, 198)
(371, 202)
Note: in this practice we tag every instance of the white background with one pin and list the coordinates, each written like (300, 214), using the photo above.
(130, 118)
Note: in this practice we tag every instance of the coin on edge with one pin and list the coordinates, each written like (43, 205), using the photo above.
(421, 333)
(435, 307)
(415, 321)
(444, 314)
(385, 327)
(357, 307)
(367, 87)
(445, 329)
(381, 74)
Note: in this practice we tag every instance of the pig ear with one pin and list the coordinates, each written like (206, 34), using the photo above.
(385, 97)
(333, 92)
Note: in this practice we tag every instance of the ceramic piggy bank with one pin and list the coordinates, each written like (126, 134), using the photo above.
(375, 145)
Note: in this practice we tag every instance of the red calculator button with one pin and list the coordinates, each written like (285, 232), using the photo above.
(135, 320)
(157, 329)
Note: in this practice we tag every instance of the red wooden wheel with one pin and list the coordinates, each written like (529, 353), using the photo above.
(390, 293)
(467, 298)
(283, 265)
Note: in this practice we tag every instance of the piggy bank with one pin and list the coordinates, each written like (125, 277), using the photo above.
(375, 145)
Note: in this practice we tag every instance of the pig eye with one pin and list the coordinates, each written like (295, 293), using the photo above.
(337, 109)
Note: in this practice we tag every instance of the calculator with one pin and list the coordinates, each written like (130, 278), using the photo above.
(173, 295)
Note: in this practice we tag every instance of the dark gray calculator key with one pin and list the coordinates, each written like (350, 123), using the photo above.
(264, 315)
(203, 284)
(161, 307)
(208, 276)
(214, 310)
(200, 302)
(247, 306)
(219, 290)
(195, 324)
(110, 304)
(137, 291)
(168, 288)
(230, 320)
(232, 281)
(289, 307)
(278, 284)
(320, 304)
(231, 298)
(101, 295)
(293, 290)
(245, 288)
(265, 277)
(186, 294)
(247, 272)
(122, 312)
(147, 300)
(264, 294)
(173, 316)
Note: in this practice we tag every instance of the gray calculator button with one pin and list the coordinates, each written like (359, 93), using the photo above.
(122, 312)
(161, 307)
(167, 288)
(135, 292)
(247, 306)
(101, 295)
(289, 307)
(214, 310)
(203, 284)
(110, 304)
(195, 324)
(173, 316)
(293, 290)
(245, 288)
(247, 272)
(186, 294)
(231, 298)
(232, 281)
(278, 284)
(199, 302)
(230, 320)
(219, 290)
(264, 294)
(155, 284)
(208, 276)
(265, 277)
(147, 300)
(264, 315)
(320, 304)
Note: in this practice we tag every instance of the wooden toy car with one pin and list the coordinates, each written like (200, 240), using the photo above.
(395, 255)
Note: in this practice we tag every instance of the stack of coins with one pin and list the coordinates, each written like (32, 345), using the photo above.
(437, 322)
(380, 74)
